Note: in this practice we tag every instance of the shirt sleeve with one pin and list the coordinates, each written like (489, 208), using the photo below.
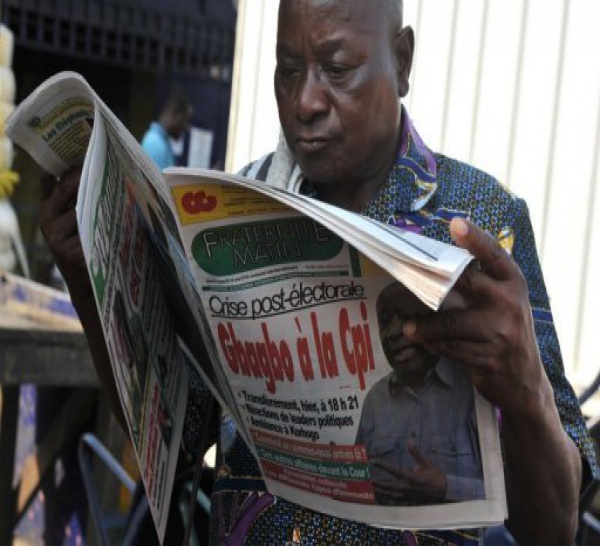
(200, 414)
(525, 254)
(154, 146)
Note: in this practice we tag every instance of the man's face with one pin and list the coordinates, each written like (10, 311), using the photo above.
(337, 85)
(395, 305)
(179, 123)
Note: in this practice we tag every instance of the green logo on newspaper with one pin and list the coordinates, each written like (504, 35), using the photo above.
(245, 247)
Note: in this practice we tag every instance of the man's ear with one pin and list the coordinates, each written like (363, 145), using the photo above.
(404, 47)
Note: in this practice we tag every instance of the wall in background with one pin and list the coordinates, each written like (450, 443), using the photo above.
(512, 86)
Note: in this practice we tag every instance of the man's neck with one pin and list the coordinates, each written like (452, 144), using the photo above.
(352, 196)
(416, 381)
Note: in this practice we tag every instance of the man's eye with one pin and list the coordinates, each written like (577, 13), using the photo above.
(384, 319)
(336, 71)
(287, 70)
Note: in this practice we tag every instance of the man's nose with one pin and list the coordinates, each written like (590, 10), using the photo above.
(397, 323)
(312, 97)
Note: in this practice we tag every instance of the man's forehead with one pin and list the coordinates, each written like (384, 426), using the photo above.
(329, 24)
(343, 3)
(396, 297)
(343, 9)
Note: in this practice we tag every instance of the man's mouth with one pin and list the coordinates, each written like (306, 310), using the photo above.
(402, 352)
(309, 145)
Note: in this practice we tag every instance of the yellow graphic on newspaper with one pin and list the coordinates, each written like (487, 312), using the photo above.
(199, 203)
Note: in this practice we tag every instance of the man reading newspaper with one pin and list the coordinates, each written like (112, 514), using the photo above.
(342, 66)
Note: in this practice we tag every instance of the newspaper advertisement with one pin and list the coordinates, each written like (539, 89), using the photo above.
(118, 206)
(345, 416)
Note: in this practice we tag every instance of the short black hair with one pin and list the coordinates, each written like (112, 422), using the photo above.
(177, 101)
(395, 9)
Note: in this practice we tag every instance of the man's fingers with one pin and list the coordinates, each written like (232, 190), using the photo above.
(394, 471)
(475, 287)
(419, 458)
(486, 249)
(64, 189)
(58, 198)
(72, 175)
(67, 188)
(474, 357)
(65, 226)
(453, 324)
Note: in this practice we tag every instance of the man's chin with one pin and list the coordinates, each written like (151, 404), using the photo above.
(318, 172)
(321, 167)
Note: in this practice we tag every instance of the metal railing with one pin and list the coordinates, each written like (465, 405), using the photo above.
(125, 35)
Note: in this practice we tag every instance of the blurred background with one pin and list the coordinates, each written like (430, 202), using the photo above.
(132, 52)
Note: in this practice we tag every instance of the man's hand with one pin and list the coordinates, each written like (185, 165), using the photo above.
(424, 483)
(493, 334)
(58, 223)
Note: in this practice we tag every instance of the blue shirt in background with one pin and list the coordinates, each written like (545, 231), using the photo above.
(158, 147)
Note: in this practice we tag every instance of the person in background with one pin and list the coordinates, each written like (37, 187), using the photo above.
(173, 120)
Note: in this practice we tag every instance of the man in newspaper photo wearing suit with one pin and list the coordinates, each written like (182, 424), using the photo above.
(418, 423)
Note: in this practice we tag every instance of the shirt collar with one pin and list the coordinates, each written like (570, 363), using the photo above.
(412, 181)
(443, 372)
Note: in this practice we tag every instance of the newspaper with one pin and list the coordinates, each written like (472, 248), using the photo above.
(291, 311)
(62, 124)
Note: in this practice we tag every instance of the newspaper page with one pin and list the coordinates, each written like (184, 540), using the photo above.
(427, 267)
(121, 217)
(345, 415)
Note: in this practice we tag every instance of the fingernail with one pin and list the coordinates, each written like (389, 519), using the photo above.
(409, 328)
(460, 227)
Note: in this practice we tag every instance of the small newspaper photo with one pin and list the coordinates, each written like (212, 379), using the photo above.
(291, 310)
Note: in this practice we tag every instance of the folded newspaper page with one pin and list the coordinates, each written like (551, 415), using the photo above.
(291, 310)
(63, 123)
(428, 268)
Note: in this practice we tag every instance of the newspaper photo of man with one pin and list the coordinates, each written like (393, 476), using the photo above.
(418, 423)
